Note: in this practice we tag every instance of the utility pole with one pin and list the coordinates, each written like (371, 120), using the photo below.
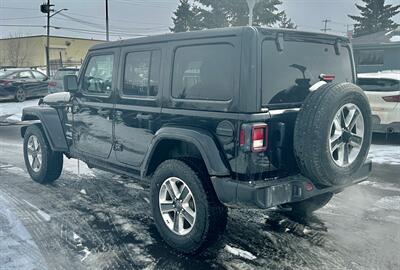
(107, 26)
(48, 39)
(46, 8)
(326, 29)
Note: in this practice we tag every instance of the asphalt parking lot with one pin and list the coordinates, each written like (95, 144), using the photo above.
(95, 220)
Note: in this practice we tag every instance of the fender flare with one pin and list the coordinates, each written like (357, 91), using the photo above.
(216, 164)
(49, 120)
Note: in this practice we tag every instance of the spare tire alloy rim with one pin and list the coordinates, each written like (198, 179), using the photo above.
(34, 150)
(177, 206)
(346, 135)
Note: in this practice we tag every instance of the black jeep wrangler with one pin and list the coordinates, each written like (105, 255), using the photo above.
(239, 117)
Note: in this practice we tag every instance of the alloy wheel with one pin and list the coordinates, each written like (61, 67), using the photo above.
(20, 95)
(177, 206)
(346, 135)
(34, 151)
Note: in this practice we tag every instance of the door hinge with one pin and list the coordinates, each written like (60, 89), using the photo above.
(117, 146)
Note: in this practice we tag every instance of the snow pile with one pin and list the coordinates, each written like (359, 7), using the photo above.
(239, 252)
(395, 39)
(12, 111)
(385, 154)
(389, 203)
(382, 186)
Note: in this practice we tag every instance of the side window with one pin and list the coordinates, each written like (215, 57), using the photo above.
(98, 76)
(142, 73)
(204, 72)
(38, 75)
(25, 75)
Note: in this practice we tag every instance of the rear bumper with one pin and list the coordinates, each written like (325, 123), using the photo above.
(266, 194)
(378, 127)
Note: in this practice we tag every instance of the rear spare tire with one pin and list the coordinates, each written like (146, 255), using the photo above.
(333, 133)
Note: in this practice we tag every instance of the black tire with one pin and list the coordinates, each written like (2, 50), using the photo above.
(313, 130)
(307, 207)
(20, 95)
(52, 162)
(211, 215)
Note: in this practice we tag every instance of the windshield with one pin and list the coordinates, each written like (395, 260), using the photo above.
(287, 75)
(61, 73)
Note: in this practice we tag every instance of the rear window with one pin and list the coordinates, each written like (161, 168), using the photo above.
(6, 73)
(61, 73)
(287, 75)
(378, 85)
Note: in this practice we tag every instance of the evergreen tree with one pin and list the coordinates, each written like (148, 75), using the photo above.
(224, 13)
(266, 12)
(285, 22)
(375, 16)
(184, 18)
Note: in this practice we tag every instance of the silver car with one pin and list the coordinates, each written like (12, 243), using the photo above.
(56, 84)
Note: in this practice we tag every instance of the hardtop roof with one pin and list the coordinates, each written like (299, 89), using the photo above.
(209, 33)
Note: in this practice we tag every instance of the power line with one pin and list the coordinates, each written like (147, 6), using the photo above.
(22, 25)
(18, 8)
(80, 30)
(118, 20)
(100, 26)
(21, 18)
(153, 4)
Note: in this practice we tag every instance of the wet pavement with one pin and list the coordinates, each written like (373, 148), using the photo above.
(96, 220)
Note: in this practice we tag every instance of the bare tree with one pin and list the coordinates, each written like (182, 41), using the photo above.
(16, 51)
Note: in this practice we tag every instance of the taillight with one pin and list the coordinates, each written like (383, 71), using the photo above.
(259, 138)
(242, 137)
(52, 84)
(392, 98)
(326, 77)
(254, 137)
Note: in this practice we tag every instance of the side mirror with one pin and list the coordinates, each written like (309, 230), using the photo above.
(71, 83)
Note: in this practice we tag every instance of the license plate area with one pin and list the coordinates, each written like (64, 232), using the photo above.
(275, 195)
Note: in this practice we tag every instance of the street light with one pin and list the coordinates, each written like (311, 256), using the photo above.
(251, 4)
(46, 8)
(58, 11)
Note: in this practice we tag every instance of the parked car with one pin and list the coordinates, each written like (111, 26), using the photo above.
(238, 117)
(383, 91)
(56, 83)
(20, 83)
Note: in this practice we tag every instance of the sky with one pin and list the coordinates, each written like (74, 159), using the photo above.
(133, 18)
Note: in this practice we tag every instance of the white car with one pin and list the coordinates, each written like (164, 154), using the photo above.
(383, 91)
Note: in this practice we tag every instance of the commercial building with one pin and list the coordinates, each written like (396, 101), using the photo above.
(378, 51)
(30, 51)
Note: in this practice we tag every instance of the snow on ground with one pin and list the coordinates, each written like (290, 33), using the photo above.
(385, 154)
(395, 39)
(15, 241)
(382, 186)
(239, 252)
(12, 111)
